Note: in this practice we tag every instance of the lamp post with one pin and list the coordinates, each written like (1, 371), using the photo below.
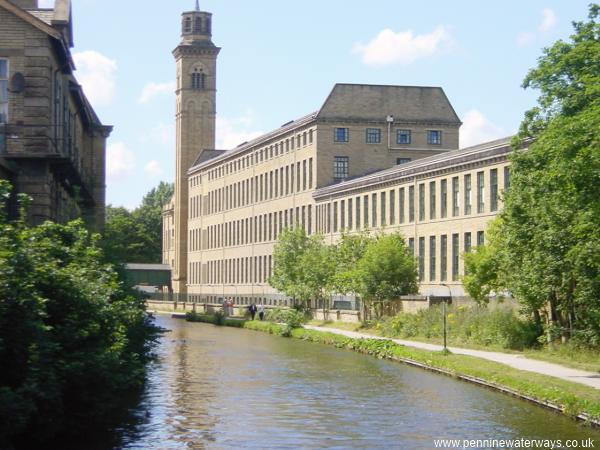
(444, 313)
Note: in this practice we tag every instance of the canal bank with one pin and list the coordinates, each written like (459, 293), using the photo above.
(577, 401)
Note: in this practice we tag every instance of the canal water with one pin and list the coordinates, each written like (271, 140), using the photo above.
(219, 388)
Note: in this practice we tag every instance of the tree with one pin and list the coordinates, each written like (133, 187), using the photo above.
(302, 265)
(386, 271)
(546, 247)
(136, 236)
(72, 343)
(346, 255)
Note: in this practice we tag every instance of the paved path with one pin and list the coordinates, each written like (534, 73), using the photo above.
(517, 361)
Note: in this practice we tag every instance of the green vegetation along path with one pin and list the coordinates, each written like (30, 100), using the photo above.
(516, 361)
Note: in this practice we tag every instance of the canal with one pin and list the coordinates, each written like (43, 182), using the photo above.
(218, 387)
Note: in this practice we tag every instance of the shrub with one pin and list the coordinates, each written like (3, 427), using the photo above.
(73, 344)
(482, 325)
(291, 318)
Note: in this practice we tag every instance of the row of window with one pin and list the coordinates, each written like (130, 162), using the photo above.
(438, 253)
(263, 154)
(443, 262)
(373, 136)
(274, 184)
(252, 230)
(248, 270)
(200, 25)
(398, 205)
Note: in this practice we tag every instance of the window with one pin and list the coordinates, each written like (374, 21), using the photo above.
(467, 246)
(310, 172)
(358, 213)
(366, 211)
(335, 217)
(373, 210)
(494, 190)
(506, 178)
(350, 224)
(443, 257)
(480, 192)
(402, 161)
(403, 137)
(187, 25)
(467, 242)
(3, 91)
(468, 194)
(432, 261)
(392, 207)
(401, 204)
(421, 259)
(411, 246)
(411, 203)
(434, 137)
(198, 79)
(340, 135)
(480, 238)
(432, 200)
(455, 257)
(373, 135)
(455, 197)
(340, 168)
(304, 175)
(342, 214)
(444, 199)
(421, 202)
(383, 208)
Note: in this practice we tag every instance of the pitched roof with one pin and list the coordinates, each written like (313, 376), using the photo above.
(30, 18)
(206, 155)
(45, 15)
(406, 103)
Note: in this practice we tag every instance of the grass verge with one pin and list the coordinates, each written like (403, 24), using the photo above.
(564, 354)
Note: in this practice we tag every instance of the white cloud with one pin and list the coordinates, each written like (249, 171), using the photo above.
(152, 90)
(96, 73)
(477, 128)
(525, 38)
(389, 47)
(232, 132)
(46, 3)
(120, 161)
(547, 24)
(153, 168)
(548, 20)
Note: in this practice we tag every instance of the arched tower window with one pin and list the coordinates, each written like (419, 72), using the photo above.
(187, 25)
(208, 26)
(198, 79)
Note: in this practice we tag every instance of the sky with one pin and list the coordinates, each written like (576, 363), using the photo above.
(280, 59)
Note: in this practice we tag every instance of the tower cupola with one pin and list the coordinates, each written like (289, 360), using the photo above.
(196, 25)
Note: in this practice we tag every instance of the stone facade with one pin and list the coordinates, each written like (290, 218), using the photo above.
(52, 144)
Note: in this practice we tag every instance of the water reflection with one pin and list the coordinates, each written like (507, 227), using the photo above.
(218, 387)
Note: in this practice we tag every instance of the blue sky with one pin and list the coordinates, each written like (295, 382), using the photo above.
(280, 59)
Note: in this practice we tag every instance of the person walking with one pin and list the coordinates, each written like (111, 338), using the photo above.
(252, 310)
(261, 311)
(230, 306)
(225, 307)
